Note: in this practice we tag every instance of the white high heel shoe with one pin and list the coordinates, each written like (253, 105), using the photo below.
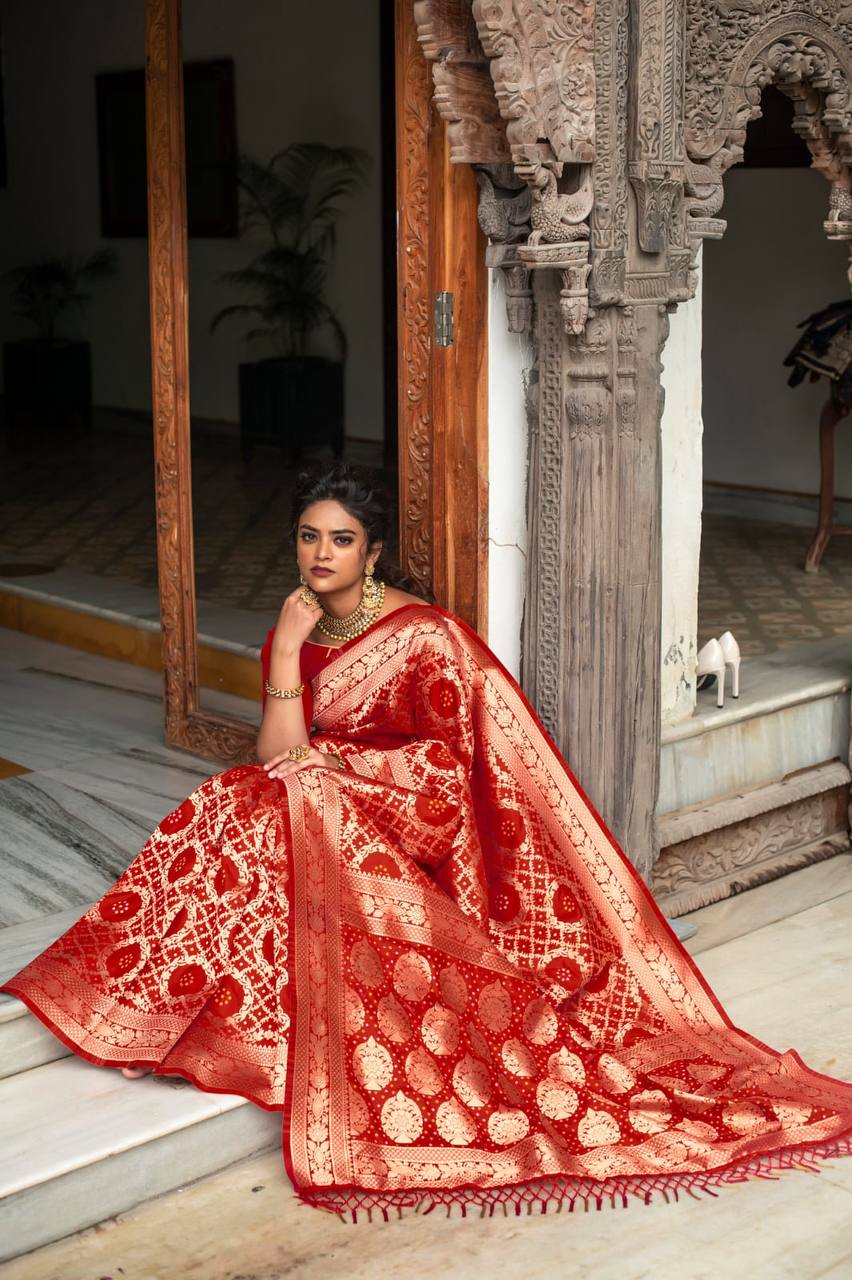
(731, 653)
(711, 662)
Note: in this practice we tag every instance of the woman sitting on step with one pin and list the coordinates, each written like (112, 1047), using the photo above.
(409, 931)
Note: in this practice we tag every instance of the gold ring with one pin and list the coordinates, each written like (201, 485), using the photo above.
(299, 752)
(307, 596)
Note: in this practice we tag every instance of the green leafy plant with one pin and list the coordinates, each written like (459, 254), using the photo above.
(295, 202)
(44, 290)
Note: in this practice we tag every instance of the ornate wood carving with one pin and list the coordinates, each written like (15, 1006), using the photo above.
(414, 302)
(728, 860)
(542, 65)
(186, 726)
(544, 605)
(734, 49)
(464, 90)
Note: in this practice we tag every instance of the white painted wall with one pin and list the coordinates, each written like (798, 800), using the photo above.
(509, 363)
(772, 268)
(51, 53)
(681, 461)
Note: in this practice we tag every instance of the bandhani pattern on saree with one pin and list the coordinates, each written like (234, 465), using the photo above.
(438, 964)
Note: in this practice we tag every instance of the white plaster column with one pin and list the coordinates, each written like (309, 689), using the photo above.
(681, 459)
(509, 362)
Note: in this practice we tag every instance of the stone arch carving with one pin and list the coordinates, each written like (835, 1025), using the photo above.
(803, 55)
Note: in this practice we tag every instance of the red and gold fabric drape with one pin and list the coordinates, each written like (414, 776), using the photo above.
(439, 964)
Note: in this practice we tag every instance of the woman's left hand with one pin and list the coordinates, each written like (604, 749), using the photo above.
(281, 765)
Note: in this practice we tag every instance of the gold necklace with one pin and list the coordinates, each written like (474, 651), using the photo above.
(356, 622)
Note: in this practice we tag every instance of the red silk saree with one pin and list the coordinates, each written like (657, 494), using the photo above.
(438, 964)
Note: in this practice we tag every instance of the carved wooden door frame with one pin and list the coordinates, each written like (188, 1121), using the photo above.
(442, 391)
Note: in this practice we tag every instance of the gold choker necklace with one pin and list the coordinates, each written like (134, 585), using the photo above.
(354, 623)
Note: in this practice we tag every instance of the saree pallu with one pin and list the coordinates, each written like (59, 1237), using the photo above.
(438, 964)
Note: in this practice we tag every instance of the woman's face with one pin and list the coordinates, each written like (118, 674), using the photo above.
(332, 547)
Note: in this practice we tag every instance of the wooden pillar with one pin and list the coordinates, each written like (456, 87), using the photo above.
(593, 616)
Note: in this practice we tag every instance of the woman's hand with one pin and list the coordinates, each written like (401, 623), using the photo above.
(281, 765)
(295, 622)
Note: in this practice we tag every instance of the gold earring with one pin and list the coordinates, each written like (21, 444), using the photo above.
(302, 582)
(372, 593)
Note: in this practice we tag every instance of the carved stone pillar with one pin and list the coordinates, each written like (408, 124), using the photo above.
(591, 638)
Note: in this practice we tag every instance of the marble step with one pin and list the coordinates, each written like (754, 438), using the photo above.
(24, 1042)
(81, 1144)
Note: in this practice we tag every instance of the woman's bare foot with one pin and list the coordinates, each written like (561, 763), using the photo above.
(134, 1073)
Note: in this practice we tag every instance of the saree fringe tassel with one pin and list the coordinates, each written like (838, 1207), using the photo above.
(555, 1194)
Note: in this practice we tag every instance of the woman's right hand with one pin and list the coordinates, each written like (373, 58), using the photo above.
(295, 623)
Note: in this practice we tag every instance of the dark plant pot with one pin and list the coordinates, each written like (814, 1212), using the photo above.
(290, 402)
(47, 386)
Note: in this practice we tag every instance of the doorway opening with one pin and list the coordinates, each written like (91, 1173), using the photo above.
(772, 269)
(77, 521)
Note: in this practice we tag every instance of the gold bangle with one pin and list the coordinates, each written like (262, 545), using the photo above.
(284, 693)
(340, 761)
(299, 752)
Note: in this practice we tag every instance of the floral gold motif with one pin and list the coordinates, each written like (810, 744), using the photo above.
(372, 1065)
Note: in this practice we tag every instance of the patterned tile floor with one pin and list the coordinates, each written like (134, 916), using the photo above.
(87, 503)
(751, 582)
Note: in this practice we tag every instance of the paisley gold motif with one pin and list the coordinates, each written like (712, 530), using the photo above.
(555, 1100)
(440, 1030)
(359, 1113)
(455, 1124)
(495, 1006)
(412, 976)
(597, 1128)
(372, 1065)
(423, 1073)
(453, 988)
(650, 1111)
(472, 1081)
(540, 1023)
(566, 1066)
(507, 1124)
(366, 964)
(745, 1117)
(393, 1020)
(402, 1119)
(353, 1011)
(517, 1058)
(614, 1075)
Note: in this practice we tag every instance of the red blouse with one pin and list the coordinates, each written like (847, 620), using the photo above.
(312, 659)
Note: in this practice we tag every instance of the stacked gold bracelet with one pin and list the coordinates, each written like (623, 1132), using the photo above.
(284, 693)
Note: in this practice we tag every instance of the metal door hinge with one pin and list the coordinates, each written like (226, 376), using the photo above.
(443, 319)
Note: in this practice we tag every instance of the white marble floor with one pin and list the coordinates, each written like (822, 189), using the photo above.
(90, 733)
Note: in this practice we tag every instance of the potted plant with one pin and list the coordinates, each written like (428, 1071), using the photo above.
(296, 395)
(48, 379)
